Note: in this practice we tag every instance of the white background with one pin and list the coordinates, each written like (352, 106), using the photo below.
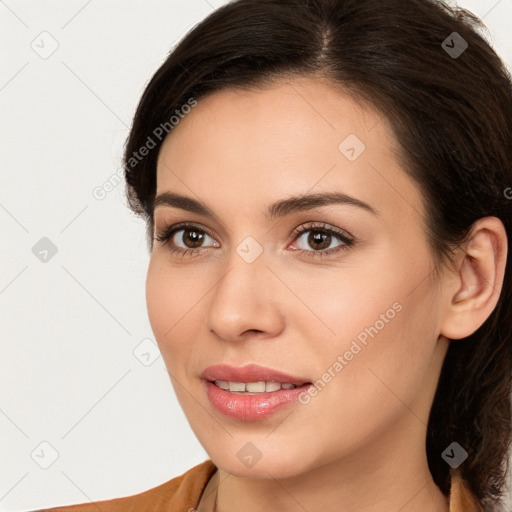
(69, 376)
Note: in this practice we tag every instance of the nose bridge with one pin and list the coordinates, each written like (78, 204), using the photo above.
(244, 277)
(243, 298)
(245, 265)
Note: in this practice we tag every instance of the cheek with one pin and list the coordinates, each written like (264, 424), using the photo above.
(376, 336)
(386, 359)
(158, 295)
(172, 300)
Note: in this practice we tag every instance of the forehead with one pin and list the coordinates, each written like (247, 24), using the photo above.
(246, 148)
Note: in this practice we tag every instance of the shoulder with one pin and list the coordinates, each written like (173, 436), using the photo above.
(180, 493)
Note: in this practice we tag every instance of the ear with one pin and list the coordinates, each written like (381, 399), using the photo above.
(473, 289)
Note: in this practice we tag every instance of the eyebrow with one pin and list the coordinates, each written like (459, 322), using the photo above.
(278, 209)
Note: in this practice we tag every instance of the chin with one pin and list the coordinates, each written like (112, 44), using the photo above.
(265, 462)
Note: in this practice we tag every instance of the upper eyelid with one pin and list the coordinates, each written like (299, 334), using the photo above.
(178, 226)
(317, 210)
(304, 227)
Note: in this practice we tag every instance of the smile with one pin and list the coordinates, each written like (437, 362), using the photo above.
(253, 388)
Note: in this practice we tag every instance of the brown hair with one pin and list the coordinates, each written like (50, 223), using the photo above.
(451, 111)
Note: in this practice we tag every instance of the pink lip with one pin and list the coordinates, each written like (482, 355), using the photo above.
(250, 407)
(249, 373)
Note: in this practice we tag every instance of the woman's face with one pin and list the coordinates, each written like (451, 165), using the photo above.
(356, 315)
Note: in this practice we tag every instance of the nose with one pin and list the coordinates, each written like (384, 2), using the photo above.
(244, 303)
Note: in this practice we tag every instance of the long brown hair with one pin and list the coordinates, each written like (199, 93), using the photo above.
(448, 97)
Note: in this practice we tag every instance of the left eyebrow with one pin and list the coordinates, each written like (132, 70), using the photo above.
(278, 209)
(308, 202)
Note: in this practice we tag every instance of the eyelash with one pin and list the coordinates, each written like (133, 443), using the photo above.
(165, 236)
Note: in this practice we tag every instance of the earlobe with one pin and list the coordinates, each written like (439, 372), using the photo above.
(478, 281)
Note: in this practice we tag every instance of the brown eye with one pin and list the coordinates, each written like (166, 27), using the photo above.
(185, 238)
(192, 238)
(320, 238)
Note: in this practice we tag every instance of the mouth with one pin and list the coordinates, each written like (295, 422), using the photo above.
(254, 388)
(251, 378)
(251, 392)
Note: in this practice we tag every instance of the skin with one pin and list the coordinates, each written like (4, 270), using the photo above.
(360, 443)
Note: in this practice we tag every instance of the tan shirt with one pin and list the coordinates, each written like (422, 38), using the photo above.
(183, 493)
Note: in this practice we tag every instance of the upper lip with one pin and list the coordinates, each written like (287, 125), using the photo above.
(249, 373)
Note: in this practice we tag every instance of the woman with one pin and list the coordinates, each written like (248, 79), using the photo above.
(326, 185)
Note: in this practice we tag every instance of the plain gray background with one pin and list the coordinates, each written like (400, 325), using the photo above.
(87, 410)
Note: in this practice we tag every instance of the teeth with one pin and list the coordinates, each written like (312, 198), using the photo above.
(236, 386)
(272, 386)
(253, 387)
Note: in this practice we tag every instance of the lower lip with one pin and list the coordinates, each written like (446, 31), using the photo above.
(252, 407)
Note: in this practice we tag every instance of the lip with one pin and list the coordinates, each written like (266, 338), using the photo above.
(249, 373)
(251, 407)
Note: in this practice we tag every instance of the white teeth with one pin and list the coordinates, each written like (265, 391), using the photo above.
(272, 386)
(253, 387)
(236, 386)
